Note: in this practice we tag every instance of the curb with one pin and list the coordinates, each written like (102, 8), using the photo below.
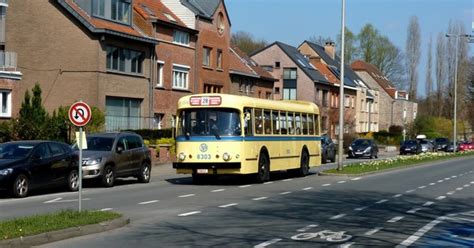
(68, 233)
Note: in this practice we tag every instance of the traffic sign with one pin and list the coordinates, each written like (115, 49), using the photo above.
(80, 114)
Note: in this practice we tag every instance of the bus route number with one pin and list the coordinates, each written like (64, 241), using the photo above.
(204, 156)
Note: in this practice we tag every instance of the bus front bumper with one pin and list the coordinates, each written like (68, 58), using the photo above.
(233, 165)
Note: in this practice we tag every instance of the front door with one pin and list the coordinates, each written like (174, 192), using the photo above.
(41, 171)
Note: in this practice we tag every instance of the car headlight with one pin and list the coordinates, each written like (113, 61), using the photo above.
(226, 156)
(350, 148)
(6, 172)
(368, 149)
(92, 161)
(182, 156)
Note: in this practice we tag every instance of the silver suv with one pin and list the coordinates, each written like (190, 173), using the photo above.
(112, 155)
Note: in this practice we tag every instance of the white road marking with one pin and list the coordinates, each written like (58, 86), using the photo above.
(414, 210)
(228, 205)
(286, 180)
(441, 197)
(409, 191)
(440, 181)
(327, 184)
(267, 182)
(467, 185)
(217, 190)
(245, 186)
(373, 231)
(428, 203)
(413, 238)
(447, 179)
(260, 198)
(285, 193)
(306, 228)
(454, 176)
(459, 189)
(106, 209)
(431, 184)
(472, 182)
(397, 195)
(422, 187)
(148, 202)
(308, 188)
(267, 243)
(460, 219)
(335, 217)
(360, 209)
(188, 195)
(189, 213)
(54, 200)
(357, 178)
(346, 245)
(451, 192)
(395, 219)
(381, 201)
(70, 200)
(341, 182)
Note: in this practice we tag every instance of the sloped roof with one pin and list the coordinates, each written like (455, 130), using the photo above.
(251, 64)
(376, 74)
(98, 25)
(156, 10)
(324, 70)
(204, 8)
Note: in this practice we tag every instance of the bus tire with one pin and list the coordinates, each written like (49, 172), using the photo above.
(263, 174)
(304, 164)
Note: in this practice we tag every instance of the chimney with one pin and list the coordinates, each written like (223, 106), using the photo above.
(330, 49)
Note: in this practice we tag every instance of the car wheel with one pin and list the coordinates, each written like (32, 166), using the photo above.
(263, 173)
(21, 186)
(324, 158)
(376, 155)
(333, 158)
(145, 173)
(108, 178)
(304, 165)
(73, 180)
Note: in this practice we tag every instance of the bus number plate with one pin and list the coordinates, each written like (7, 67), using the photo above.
(204, 156)
(202, 171)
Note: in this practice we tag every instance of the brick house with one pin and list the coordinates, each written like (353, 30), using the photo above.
(174, 67)
(395, 106)
(97, 51)
(249, 79)
(211, 19)
(297, 78)
(360, 102)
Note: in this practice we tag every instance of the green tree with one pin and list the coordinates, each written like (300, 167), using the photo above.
(246, 42)
(350, 46)
(33, 118)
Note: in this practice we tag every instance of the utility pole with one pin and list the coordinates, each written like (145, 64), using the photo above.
(341, 91)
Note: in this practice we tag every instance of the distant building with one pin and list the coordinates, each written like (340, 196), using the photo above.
(395, 107)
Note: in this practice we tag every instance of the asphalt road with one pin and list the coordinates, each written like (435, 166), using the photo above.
(424, 205)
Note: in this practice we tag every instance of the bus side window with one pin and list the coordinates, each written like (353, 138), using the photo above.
(316, 124)
(258, 121)
(275, 122)
(291, 124)
(304, 120)
(248, 121)
(268, 123)
(283, 124)
(311, 124)
(298, 123)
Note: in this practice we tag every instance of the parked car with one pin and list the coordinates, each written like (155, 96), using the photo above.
(28, 165)
(466, 146)
(410, 147)
(363, 147)
(328, 149)
(112, 155)
(441, 144)
(427, 145)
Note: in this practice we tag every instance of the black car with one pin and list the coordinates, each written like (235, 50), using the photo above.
(363, 147)
(410, 147)
(25, 165)
(441, 144)
(328, 149)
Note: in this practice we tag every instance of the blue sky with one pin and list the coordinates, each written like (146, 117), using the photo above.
(293, 21)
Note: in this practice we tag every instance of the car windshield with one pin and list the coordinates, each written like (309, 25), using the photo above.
(209, 122)
(441, 140)
(410, 142)
(361, 142)
(100, 143)
(424, 142)
(15, 151)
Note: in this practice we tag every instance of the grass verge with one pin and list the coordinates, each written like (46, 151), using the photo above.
(399, 161)
(27, 226)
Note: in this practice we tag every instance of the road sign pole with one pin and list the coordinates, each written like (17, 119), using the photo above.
(80, 169)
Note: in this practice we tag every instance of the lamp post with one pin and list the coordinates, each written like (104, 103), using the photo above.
(457, 36)
(341, 92)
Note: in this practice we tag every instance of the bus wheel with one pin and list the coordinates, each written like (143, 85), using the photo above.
(263, 174)
(304, 164)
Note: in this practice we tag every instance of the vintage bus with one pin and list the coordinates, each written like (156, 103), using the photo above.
(219, 134)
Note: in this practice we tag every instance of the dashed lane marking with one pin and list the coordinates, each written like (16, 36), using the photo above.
(188, 195)
(441, 197)
(346, 245)
(381, 201)
(414, 210)
(189, 213)
(373, 231)
(395, 219)
(106, 209)
(245, 186)
(428, 203)
(260, 198)
(53, 200)
(451, 192)
(327, 184)
(287, 180)
(397, 195)
(308, 188)
(422, 187)
(431, 184)
(228, 205)
(217, 190)
(410, 190)
(306, 228)
(459, 189)
(341, 182)
(360, 209)
(148, 202)
(267, 182)
(267, 243)
(335, 217)
(356, 179)
(285, 193)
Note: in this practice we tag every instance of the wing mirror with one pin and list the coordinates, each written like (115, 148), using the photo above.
(119, 149)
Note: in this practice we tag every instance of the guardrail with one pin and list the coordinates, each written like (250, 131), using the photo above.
(8, 60)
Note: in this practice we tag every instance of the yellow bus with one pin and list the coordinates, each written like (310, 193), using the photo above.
(219, 134)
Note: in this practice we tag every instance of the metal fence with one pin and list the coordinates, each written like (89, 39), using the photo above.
(8, 60)
(116, 123)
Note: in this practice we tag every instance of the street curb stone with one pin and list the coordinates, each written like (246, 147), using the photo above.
(58, 235)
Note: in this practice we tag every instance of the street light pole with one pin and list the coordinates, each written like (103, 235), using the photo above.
(341, 91)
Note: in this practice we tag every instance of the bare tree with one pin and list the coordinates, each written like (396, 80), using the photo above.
(350, 46)
(413, 53)
(246, 42)
(440, 72)
(319, 40)
(429, 79)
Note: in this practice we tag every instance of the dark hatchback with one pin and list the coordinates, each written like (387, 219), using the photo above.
(27, 165)
(410, 147)
(363, 148)
(328, 149)
(441, 144)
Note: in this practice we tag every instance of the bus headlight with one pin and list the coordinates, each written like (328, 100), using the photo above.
(181, 156)
(226, 156)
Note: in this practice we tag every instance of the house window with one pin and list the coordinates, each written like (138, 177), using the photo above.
(5, 103)
(219, 59)
(181, 37)
(114, 10)
(158, 121)
(347, 101)
(124, 60)
(210, 88)
(180, 77)
(289, 73)
(159, 76)
(122, 113)
(289, 84)
(325, 98)
(206, 58)
(277, 64)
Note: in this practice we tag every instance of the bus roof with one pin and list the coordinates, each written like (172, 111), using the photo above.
(239, 102)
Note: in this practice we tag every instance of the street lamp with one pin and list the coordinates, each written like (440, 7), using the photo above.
(457, 36)
(341, 91)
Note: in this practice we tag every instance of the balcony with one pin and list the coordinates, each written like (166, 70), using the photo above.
(4, 3)
(8, 61)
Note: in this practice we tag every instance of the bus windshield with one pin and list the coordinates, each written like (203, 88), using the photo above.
(209, 122)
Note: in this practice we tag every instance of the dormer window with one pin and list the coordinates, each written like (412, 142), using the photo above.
(114, 10)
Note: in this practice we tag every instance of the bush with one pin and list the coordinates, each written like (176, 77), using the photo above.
(153, 134)
(388, 138)
(167, 141)
(395, 129)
